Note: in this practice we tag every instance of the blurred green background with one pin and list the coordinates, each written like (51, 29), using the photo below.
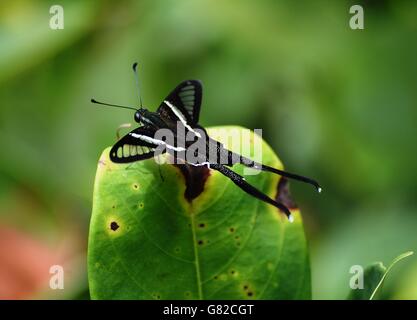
(336, 104)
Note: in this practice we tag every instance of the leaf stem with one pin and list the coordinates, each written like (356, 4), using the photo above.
(400, 257)
(197, 263)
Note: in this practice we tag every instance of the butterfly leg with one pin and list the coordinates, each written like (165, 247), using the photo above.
(129, 166)
(122, 126)
(160, 173)
(241, 183)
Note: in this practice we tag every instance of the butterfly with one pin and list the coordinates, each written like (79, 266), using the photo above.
(179, 113)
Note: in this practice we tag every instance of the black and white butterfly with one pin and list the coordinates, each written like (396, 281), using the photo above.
(181, 109)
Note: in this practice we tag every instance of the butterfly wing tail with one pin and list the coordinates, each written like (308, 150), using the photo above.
(251, 190)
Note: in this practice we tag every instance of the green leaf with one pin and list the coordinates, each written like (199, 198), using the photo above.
(147, 242)
(374, 276)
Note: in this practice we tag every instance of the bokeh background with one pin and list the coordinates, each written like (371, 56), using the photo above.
(336, 104)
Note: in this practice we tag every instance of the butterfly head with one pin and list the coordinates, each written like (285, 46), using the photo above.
(140, 115)
(146, 117)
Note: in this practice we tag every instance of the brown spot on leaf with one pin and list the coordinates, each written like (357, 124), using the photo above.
(284, 194)
(114, 226)
(195, 179)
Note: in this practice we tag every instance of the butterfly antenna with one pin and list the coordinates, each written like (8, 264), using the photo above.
(111, 105)
(135, 71)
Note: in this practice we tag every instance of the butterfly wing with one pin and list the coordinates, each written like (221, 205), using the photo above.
(135, 146)
(186, 98)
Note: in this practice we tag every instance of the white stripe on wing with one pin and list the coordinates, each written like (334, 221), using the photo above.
(155, 141)
(181, 117)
